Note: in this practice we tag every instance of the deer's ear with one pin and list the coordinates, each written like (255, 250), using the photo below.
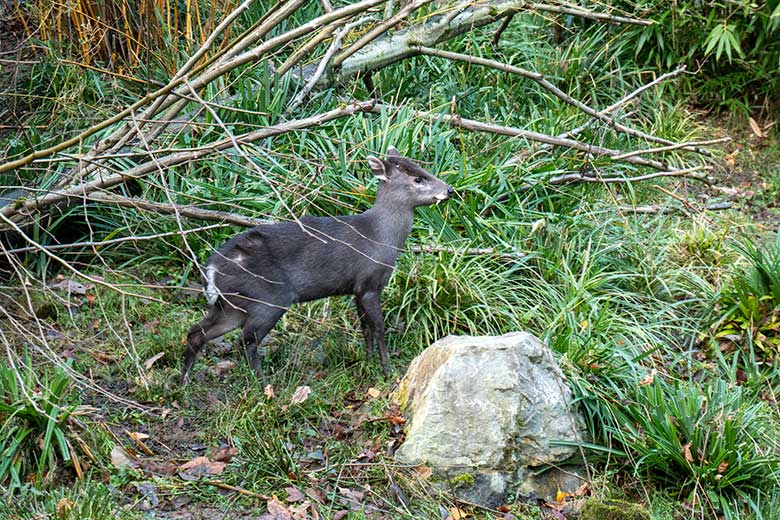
(378, 168)
(391, 151)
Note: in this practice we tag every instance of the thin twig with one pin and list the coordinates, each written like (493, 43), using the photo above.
(589, 177)
(671, 147)
(479, 126)
(223, 485)
(67, 265)
(244, 221)
(504, 24)
(79, 191)
(655, 209)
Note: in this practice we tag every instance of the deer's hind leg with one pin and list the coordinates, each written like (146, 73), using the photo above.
(221, 319)
(261, 318)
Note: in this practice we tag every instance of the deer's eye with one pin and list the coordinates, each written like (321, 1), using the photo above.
(418, 180)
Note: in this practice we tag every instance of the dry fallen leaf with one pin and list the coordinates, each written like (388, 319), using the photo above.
(583, 490)
(756, 128)
(731, 159)
(294, 494)
(224, 454)
(722, 467)
(537, 225)
(71, 286)
(200, 466)
(138, 436)
(560, 496)
(338, 515)
(687, 452)
(373, 393)
(220, 367)
(423, 472)
(269, 392)
(149, 362)
(649, 378)
(457, 513)
(120, 458)
(276, 511)
(300, 395)
(63, 507)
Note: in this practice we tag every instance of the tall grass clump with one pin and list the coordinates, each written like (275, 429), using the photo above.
(748, 312)
(707, 442)
(35, 412)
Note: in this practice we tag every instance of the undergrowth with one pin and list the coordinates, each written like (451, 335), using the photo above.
(665, 324)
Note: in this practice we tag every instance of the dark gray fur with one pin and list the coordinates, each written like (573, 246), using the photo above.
(254, 278)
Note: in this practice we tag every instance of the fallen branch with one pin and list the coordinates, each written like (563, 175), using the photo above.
(669, 148)
(79, 191)
(656, 209)
(550, 87)
(589, 177)
(244, 221)
(400, 45)
(479, 126)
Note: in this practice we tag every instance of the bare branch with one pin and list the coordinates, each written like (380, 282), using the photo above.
(479, 126)
(78, 191)
(550, 87)
(669, 148)
(692, 173)
(225, 217)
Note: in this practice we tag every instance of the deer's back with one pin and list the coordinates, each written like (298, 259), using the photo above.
(321, 256)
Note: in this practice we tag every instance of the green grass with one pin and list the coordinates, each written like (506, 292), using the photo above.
(617, 296)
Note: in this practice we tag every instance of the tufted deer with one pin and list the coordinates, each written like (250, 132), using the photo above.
(254, 278)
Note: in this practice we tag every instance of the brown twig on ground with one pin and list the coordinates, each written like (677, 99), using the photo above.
(242, 491)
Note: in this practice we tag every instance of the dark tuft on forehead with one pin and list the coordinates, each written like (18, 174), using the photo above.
(407, 165)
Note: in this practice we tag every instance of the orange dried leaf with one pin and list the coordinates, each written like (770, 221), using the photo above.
(687, 452)
(138, 436)
(203, 466)
(424, 472)
(723, 466)
(373, 393)
(63, 507)
(649, 378)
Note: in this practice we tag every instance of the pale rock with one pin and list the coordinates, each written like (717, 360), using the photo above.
(485, 412)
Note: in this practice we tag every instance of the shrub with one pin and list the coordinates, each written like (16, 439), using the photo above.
(733, 44)
(34, 413)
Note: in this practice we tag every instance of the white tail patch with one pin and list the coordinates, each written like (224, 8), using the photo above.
(211, 290)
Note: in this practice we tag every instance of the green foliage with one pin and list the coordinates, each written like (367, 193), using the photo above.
(34, 412)
(750, 303)
(699, 438)
(86, 500)
(733, 45)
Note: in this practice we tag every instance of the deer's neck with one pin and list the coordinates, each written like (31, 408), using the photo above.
(391, 223)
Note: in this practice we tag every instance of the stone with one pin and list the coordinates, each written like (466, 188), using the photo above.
(490, 407)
